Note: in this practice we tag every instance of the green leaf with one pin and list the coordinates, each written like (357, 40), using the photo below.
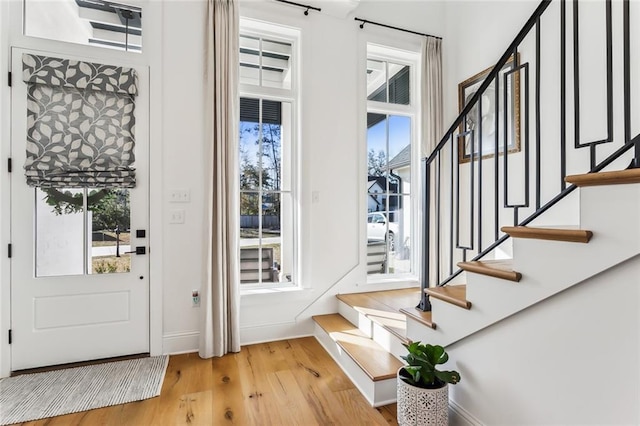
(452, 377)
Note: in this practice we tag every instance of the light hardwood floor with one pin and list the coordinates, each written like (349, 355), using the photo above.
(291, 382)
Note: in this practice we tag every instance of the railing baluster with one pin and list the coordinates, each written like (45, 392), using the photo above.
(576, 78)
(438, 223)
(496, 181)
(454, 147)
(480, 161)
(538, 79)
(424, 304)
(563, 93)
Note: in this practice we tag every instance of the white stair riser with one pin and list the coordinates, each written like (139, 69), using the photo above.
(378, 393)
(388, 341)
(356, 318)
(612, 211)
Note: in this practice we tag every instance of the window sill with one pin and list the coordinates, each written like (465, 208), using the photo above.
(253, 291)
(400, 280)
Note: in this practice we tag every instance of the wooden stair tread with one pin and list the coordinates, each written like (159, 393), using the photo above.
(494, 268)
(454, 294)
(417, 315)
(386, 300)
(374, 360)
(555, 234)
(617, 177)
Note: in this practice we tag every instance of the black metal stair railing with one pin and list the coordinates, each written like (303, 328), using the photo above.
(533, 105)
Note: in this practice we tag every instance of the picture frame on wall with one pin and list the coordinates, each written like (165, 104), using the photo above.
(469, 132)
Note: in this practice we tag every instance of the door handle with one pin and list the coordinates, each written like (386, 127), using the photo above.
(138, 250)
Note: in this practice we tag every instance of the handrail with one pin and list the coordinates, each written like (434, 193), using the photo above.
(436, 176)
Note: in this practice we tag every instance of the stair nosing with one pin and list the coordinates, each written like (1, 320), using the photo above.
(617, 177)
(433, 292)
(552, 234)
(407, 312)
(481, 267)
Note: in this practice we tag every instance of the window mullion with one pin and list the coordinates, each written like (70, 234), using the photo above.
(85, 237)
(260, 183)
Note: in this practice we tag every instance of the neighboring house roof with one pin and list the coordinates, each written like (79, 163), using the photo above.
(403, 159)
(376, 180)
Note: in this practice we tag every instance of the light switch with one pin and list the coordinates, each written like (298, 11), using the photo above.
(176, 216)
(179, 196)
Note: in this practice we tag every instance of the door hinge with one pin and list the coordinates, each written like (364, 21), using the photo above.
(10, 337)
(9, 165)
(9, 79)
(10, 250)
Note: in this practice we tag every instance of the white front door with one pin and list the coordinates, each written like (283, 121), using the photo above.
(75, 294)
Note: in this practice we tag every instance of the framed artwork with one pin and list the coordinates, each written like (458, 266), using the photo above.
(469, 133)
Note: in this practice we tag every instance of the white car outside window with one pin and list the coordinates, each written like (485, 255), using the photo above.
(377, 229)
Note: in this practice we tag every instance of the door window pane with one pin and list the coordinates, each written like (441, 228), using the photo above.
(110, 216)
(60, 232)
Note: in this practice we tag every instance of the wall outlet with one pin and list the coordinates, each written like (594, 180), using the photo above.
(195, 299)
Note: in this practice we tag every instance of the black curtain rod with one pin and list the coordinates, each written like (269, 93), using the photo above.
(304, 6)
(365, 21)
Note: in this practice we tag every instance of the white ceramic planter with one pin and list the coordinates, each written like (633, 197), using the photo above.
(418, 406)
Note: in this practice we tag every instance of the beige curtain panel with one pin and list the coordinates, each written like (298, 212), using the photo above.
(431, 94)
(432, 104)
(220, 328)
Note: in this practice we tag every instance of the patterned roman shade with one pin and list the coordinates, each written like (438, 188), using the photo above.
(80, 123)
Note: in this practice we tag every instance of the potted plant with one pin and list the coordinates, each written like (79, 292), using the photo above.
(423, 393)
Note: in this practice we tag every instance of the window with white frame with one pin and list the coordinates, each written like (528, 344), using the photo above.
(266, 154)
(391, 162)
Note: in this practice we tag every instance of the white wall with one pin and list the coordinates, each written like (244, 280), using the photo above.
(183, 168)
(573, 359)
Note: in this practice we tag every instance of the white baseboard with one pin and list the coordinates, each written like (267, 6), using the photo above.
(250, 335)
(180, 343)
(458, 416)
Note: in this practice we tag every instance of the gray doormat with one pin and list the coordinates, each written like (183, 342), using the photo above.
(54, 393)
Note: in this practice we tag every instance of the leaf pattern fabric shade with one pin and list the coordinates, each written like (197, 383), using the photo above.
(80, 123)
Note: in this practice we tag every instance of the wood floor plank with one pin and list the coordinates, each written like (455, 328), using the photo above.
(195, 409)
(290, 396)
(355, 409)
(319, 380)
(315, 367)
(389, 413)
(228, 399)
(299, 383)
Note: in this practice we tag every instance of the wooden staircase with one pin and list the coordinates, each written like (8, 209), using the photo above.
(366, 335)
